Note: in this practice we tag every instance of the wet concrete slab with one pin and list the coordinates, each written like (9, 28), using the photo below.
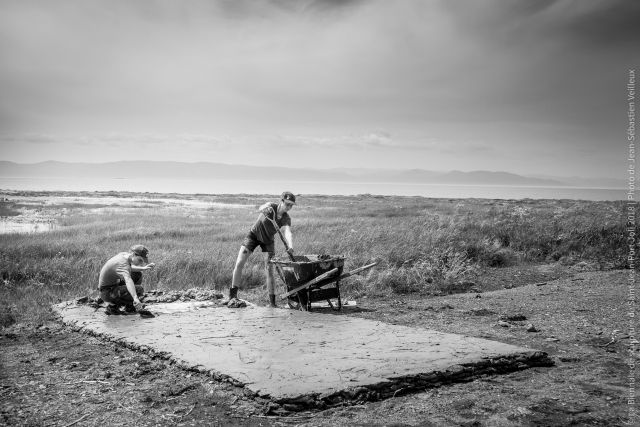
(295, 356)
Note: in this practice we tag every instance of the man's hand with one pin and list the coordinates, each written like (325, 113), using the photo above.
(150, 266)
(142, 310)
(267, 211)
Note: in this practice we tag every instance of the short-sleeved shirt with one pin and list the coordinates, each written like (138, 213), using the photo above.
(115, 271)
(264, 230)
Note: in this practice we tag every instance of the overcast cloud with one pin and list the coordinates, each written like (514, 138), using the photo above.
(532, 87)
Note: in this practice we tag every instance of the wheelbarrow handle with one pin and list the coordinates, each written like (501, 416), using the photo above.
(357, 270)
(284, 241)
(310, 282)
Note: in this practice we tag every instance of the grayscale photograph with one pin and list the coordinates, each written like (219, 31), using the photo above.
(318, 213)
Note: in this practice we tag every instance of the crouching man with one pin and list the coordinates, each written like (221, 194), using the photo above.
(120, 281)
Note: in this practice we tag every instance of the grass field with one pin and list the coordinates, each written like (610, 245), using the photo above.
(421, 245)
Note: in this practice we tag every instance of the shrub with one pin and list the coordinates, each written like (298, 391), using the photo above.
(431, 274)
(7, 317)
(398, 280)
(503, 257)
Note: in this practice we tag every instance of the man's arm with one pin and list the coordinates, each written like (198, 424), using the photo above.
(131, 287)
(286, 232)
(266, 208)
(141, 268)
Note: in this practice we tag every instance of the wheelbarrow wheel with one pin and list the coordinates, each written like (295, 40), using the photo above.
(297, 303)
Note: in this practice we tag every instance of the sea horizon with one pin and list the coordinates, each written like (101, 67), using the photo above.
(219, 186)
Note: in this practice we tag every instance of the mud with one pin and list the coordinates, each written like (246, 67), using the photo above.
(52, 375)
(303, 360)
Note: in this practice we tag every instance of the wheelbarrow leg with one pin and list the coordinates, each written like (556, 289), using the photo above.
(295, 302)
(301, 304)
(338, 296)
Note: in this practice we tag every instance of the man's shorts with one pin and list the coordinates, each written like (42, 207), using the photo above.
(119, 295)
(251, 242)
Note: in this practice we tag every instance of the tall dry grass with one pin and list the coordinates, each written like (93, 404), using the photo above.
(421, 245)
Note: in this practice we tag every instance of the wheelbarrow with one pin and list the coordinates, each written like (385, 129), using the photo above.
(313, 278)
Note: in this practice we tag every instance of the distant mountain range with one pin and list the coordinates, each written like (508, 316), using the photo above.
(204, 170)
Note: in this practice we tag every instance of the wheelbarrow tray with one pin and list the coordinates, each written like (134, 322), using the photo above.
(303, 269)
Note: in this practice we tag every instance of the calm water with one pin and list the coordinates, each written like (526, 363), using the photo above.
(192, 186)
(7, 227)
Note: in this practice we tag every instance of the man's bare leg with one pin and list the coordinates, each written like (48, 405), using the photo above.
(236, 281)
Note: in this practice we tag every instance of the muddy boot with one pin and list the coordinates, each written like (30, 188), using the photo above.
(112, 310)
(145, 314)
(236, 303)
(233, 294)
(272, 301)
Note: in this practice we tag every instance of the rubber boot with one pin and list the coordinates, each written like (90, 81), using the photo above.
(233, 294)
(272, 300)
(112, 309)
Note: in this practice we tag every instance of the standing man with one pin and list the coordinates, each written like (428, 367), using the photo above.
(262, 234)
(120, 281)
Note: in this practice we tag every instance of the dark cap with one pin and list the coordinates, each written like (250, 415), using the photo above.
(288, 197)
(141, 251)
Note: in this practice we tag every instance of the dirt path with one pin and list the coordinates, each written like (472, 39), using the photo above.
(51, 375)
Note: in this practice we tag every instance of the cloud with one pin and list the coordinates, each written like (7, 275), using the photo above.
(250, 9)
(196, 142)
(178, 65)
(34, 138)
(383, 141)
(432, 76)
(588, 23)
(364, 141)
(595, 24)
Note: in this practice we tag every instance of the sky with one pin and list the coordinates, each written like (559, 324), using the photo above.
(529, 87)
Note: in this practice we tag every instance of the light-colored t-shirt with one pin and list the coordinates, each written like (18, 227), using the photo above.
(117, 269)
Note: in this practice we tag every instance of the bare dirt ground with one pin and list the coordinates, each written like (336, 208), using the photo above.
(52, 375)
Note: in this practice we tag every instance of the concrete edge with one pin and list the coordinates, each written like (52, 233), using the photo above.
(399, 386)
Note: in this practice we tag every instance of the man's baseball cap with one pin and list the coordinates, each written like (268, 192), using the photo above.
(141, 251)
(288, 196)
